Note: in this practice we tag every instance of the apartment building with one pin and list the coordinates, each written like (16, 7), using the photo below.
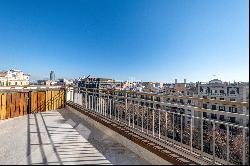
(218, 90)
(14, 78)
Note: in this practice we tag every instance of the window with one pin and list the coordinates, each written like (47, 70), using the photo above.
(222, 118)
(213, 107)
(232, 92)
(221, 108)
(222, 91)
(213, 116)
(221, 98)
(232, 99)
(15, 83)
(205, 106)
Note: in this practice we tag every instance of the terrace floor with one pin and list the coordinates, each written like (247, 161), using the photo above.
(59, 137)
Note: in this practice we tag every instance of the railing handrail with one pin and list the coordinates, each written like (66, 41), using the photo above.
(184, 106)
(215, 101)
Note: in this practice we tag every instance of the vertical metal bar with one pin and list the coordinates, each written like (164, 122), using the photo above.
(173, 130)
(110, 107)
(89, 102)
(106, 107)
(115, 108)
(181, 131)
(166, 118)
(153, 116)
(98, 104)
(133, 116)
(86, 100)
(118, 112)
(159, 124)
(129, 117)
(213, 142)
(102, 105)
(147, 119)
(244, 147)
(142, 121)
(202, 135)
(191, 134)
(228, 151)
(126, 107)
(153, 130)
(92, 100)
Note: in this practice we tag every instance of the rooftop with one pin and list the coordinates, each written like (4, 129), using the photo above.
(59, 137)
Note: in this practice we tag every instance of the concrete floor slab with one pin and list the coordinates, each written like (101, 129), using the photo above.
(59, 137)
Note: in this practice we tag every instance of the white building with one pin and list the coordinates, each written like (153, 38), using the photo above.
(218, 90)
(14, 78)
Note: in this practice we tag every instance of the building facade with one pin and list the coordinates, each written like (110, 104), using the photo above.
(218, 90)
(14, 78)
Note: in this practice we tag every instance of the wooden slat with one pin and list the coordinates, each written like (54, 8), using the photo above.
(62, 99)
(21, 112)
(17, 104)
(42, 101)
(34, 102)
(3, 104)
(47, 101)
(25, 104)
(53, 100)
(39, 101)
(8, 105)
(12, 105)
(50, 100)
(58, 99)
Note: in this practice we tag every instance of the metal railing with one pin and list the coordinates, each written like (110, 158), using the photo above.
(180, 126)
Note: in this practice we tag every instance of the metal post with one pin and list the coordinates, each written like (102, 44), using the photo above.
(129, 117)
(147, 119)
(228, 151)
(142, 118)
(126, 107)
(101, 105)
(118, 112)
(244, 146)
(173, 131)
(159, 124)
(213, 142)
(202, 135)
(86, 100)
(166, 117)
(153, 119)
(181, 131)
(191, 134)
(92, 100)
(133, 116)
(110, 107)
(115, 109)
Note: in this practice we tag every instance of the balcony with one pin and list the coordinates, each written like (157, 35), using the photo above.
(114, 127)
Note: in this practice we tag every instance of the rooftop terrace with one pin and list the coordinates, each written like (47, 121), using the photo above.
(93, 126)
(59, 137)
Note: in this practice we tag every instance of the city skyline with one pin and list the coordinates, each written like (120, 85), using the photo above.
(148, 40)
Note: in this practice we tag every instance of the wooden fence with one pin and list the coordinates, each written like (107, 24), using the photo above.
(14, 104)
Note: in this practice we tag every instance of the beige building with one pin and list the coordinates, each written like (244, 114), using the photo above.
(14, 78)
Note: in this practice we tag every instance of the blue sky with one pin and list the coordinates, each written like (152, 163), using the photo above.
(157, 40)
